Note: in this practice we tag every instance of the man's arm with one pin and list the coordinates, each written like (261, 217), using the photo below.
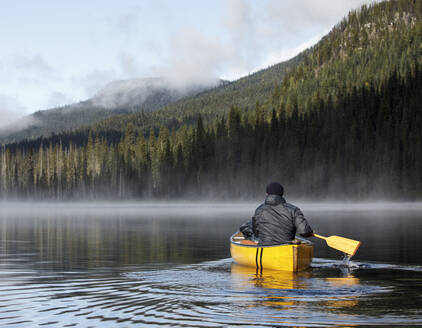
(246, 229)
(302, 227)
(249, 228)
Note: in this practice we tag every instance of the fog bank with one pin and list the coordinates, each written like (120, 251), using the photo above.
(200, 209)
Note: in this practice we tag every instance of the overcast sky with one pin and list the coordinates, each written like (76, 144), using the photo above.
(59, 52)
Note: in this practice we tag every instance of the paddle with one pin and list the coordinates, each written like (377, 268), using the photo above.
(346, 245)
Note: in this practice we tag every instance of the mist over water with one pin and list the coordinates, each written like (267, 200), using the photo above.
(168, 264)
(199, 208)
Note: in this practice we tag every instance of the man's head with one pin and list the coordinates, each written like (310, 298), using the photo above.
(274, 188)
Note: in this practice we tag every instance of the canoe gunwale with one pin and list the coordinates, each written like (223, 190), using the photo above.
(302, 242)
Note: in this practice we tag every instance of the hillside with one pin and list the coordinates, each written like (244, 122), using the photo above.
(247, 92)
(363, 50)
(116, 98)
(345, 121)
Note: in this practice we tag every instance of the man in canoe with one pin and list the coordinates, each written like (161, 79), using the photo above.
(276, 221)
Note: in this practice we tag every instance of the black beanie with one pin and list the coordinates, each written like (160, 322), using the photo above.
(274, 188)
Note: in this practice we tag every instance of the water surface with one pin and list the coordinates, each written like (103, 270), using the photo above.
(162, 264)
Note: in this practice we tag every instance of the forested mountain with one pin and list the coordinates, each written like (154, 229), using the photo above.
(148, 94)
(257, 89)
(117, 98)
(365, 48)
(344, 119)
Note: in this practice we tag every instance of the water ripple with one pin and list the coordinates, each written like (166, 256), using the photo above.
(209, 294)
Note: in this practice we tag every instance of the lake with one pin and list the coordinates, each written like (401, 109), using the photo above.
(168, 264)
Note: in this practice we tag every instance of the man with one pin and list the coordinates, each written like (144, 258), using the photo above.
(276, 221)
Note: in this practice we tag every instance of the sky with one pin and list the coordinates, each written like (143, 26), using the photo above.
(55, 53)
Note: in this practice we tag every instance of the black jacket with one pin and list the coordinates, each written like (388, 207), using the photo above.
(276, 222)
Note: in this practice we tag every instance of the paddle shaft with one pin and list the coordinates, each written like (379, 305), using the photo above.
(319, 236)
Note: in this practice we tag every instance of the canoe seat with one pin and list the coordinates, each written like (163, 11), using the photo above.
(248, 242)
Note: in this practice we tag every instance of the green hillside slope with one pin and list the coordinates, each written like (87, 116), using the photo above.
(362, 50)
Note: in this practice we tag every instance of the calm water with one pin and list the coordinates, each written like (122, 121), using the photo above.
(80, 265)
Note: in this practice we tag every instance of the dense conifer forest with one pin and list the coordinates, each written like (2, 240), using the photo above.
(345, 121)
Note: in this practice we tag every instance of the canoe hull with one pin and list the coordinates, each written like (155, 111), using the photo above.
(288, 257)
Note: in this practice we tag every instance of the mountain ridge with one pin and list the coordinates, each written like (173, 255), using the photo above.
(116, 98)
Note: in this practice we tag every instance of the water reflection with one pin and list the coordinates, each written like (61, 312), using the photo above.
(283, 290)
(343, 282)
(243, 277)
(64, 241)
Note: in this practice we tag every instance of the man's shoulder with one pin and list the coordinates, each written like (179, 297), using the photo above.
(260, 208)
(290, 207)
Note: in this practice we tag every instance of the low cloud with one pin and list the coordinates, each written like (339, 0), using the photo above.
(283, 54)
(129, 65)
(58, 98)
(195, 59)
(128, 92)
(95, 80)
(28, 83)
(12, 115)
(126, 66)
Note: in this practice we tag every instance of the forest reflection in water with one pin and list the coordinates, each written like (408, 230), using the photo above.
(170, 265)
(76, 238)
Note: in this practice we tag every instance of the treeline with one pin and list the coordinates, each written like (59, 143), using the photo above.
(366, 144)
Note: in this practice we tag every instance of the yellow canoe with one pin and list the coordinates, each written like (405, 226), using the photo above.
(293, 257)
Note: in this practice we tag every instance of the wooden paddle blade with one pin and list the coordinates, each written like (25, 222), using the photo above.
(345, 245)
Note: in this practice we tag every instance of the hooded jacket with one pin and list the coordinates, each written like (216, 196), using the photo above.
(276, 222)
